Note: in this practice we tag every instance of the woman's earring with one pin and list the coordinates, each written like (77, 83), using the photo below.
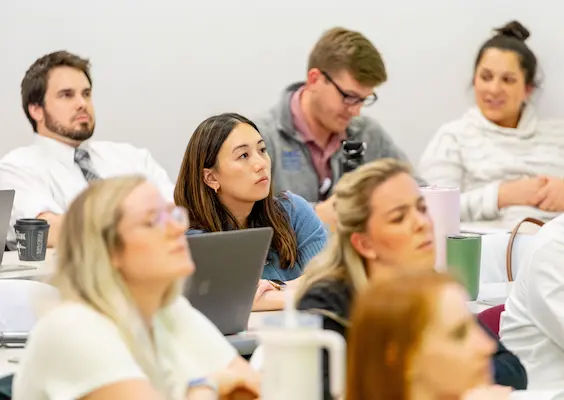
(215, 189)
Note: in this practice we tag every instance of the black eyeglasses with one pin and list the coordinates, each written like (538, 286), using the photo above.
(351, 99)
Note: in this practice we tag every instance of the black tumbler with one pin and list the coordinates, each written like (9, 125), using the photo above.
(31, 238)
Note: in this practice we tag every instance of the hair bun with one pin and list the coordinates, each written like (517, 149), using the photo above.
(513, 29)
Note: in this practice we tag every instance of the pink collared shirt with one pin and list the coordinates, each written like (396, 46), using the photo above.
(320, 155)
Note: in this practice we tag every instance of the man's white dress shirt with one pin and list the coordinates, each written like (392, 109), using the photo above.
(47, 179)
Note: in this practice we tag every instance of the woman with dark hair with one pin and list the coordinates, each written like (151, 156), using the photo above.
(507, 163)
(225, 183)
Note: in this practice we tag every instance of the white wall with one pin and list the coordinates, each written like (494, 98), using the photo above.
(161, 67)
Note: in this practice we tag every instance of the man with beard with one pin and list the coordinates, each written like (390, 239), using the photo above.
(48, 174)
(304, 131)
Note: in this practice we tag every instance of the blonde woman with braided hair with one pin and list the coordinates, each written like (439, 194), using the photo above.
(382, 226)
(124, 330)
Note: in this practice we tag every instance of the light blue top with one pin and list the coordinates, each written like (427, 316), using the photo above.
(311, 237)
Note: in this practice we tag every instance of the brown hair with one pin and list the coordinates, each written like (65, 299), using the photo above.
(340, 49)
(388, 320)
(34, 83)
(512, 37)
(204, 208)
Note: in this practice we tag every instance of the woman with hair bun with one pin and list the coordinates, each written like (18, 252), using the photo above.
(507, 163)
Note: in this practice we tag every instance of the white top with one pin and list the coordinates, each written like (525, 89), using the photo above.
(74, 350)
(47, 179)
(475, 155)
(532, 325)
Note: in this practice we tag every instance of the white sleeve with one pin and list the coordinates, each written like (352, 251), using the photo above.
(546, 291)
(442, 165)
(81, 352)
(201, 339)
(156, 174)
(32, 197)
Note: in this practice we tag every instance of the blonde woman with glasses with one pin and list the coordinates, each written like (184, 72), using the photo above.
(123, 330)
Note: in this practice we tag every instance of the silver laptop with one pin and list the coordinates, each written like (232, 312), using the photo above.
(6, 203)
(228, 268)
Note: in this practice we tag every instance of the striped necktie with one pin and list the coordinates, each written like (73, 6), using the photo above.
(82, 158)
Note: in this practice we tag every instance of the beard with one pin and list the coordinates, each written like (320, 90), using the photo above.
(81, 134)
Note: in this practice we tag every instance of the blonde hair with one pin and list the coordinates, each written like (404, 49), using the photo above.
(89, 237)
(339, 261)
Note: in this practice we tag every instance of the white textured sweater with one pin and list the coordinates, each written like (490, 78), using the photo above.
(476, 155)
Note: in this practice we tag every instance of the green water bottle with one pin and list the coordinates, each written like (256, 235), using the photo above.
(464, 252)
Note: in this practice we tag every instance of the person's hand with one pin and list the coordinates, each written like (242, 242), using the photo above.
(551, 196)
(494, 392)
(326, 213)
(263, 287)
(235, 386)
(521, 192)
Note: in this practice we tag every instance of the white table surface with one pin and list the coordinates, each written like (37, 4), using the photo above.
(7, 367)
(486, 227)
(44, 269)
(245, 342)
(537, 395)
(487, 290)
(13, 268)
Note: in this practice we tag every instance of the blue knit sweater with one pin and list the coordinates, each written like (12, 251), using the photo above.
(310, 235)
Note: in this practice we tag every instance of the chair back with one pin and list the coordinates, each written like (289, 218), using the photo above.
(491, 317)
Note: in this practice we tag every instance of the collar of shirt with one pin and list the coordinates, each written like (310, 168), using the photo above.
(300, 122)
(59, 150)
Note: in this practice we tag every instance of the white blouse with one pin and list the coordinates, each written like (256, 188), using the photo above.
(74, 350)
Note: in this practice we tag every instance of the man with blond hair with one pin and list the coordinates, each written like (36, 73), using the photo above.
(305, 130)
